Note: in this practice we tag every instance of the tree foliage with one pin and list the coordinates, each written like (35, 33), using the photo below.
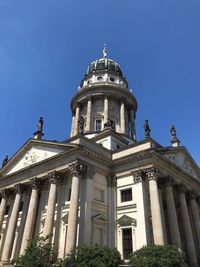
(91, 256)
(158, 256)
(39, 253)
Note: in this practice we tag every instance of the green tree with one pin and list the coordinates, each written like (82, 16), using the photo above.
(39, 253)
(158, 256)
(93, 256)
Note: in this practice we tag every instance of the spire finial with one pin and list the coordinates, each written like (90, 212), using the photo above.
(38, 134)
(175, 141)
(105, 51)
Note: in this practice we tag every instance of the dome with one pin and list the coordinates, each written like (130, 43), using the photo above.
(103, 64)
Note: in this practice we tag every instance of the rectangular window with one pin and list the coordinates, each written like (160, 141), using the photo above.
(98, 125)
(69, 196)
(126, 195)
(127, 242)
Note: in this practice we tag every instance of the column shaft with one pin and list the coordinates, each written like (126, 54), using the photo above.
(122, 117)
(195, 215)
(72, 126)
(89, 115)
(49, 221)
(172, 216)
(158, 232)
(2, 209)
(76, 120)
(30, 220)
(190, 247)
(73, 216)
(132, 117)
(106, 108)
(8, 244)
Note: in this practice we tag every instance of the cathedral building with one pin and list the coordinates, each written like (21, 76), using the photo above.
(101, 185)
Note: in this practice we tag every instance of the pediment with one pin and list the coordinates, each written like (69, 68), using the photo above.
(183, 160)
(31, 153)
(126, 221)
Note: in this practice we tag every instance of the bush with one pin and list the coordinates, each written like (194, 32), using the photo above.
(39, 253)
(158, 256)
(90, 256)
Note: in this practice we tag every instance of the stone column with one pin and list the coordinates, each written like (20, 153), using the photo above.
(8, 243)
(132, 117)
(171, 211)
(140, 194)
(111, 183)
(30, 218)
(72, 126)
(195, 215)
(190, 247)
(106, 108)
(2, 206)
(158, 232)
(76, 119)
(77, 169)
(86, 190)
(122, 116)
(89, 114)
(49, 220)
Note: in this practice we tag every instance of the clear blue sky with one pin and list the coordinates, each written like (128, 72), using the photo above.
(46, 46)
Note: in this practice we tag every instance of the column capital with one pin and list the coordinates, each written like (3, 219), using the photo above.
(34, 183)
(53, 176)
(192, 194)
(152, 174)
(122, 100)
(106, 96)
(139, 176)
(18, 188)
(181, 188)
(111, 180)
(89, 98)
(79, 169)
(167, 181)
(3, 193)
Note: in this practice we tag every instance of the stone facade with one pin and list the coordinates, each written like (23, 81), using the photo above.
(101, 185)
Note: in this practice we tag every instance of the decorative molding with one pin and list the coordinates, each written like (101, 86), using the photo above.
(152, 174)
(18, 188)
(3, 193)
(139, 176)
(181, 188)
(167, 181)
(78, 169)
(35, 183)
(192, 195)
(53, 176)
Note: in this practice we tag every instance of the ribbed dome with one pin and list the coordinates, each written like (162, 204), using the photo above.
(104, 64)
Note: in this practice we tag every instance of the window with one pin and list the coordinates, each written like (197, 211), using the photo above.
(98, 125)
(112, 79)
(100, 78)
(127, 242)
(126, 195)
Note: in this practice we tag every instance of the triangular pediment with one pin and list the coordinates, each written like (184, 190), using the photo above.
(33, 152)
(126, 221)
(182, 159)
